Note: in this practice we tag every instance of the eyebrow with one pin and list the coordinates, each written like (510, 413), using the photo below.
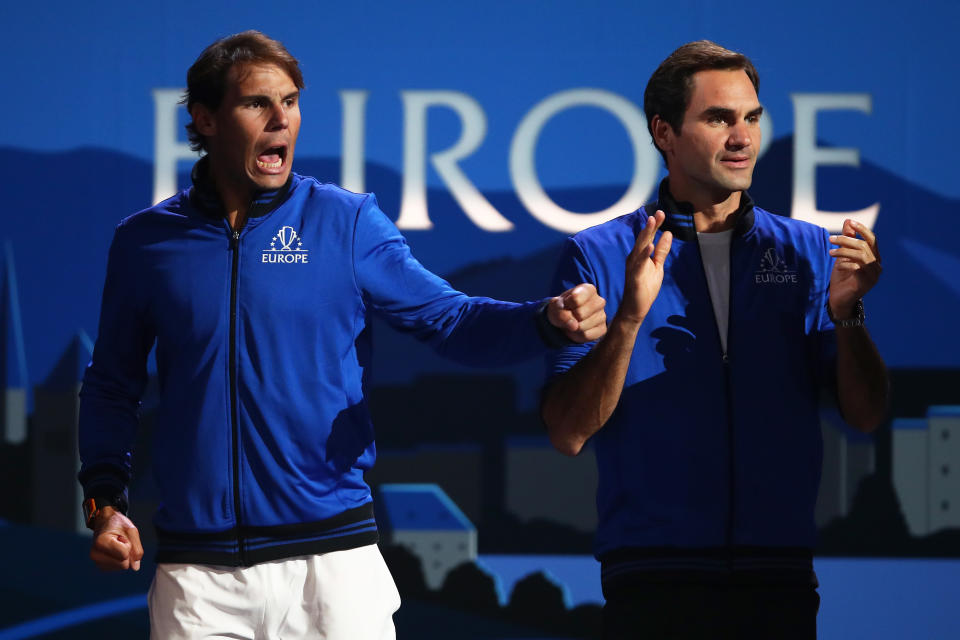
(259, 96)
(725, 113)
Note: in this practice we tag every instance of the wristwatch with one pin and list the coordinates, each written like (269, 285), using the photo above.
(92, 507)
(856, 320)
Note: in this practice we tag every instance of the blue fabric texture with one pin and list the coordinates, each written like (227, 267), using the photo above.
(262, 434)
(708, 449)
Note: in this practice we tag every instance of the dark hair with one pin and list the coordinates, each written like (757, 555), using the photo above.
(207, 77)
(668, 91)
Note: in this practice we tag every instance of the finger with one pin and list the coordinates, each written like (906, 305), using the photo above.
(645, 237)
(588, 308)
(108, 562)
(663, 247)
(847, 241)
(848, 228)
(112, 544)
(593, 321)
(863, 230)
(136, 548)
(849, 266)
(853, 254)
(846, 244)
(595, 333)
(560, 317)
(578, 295)
(868, 235)
(587, 335)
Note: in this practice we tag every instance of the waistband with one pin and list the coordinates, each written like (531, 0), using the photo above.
(249, 545)
(630, 567)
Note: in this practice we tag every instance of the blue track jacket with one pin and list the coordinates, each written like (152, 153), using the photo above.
(712, 459)
(262, 434)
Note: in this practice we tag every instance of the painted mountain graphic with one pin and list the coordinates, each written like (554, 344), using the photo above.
(59, 220)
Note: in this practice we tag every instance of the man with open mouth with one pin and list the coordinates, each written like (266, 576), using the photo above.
(256, 285)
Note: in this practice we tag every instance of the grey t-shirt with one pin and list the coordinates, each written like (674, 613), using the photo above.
(715, 250)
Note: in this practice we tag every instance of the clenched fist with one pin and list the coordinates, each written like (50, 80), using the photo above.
(579, 313)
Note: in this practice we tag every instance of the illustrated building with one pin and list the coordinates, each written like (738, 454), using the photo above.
(448, 429)
(456, 468)
(423, 519)
(926, 469)
(56, 493)
(543, 484)
(848, 457)
(13, 361)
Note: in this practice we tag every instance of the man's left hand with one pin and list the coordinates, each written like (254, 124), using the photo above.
(579, 313)
(856, 270)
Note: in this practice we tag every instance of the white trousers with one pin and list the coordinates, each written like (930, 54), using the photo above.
(342, 595)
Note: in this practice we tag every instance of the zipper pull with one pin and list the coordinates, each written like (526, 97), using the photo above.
(236, 238)
(726, 358)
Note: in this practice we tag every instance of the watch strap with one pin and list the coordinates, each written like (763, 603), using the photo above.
(94, 504)
(855, 320)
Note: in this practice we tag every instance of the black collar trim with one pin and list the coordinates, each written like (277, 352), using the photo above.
(680, 214)
(205, 197)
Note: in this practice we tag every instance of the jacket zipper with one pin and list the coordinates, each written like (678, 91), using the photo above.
(235, 434)
(725, 359)
(731, 457)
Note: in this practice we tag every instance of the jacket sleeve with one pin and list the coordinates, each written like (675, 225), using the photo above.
(573, 268)
(471, 330)
(820, 297)
(115, 379)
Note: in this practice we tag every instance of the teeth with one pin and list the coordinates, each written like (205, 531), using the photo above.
(270, 165)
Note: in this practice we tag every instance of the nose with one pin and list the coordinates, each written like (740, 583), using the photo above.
(278, 118)
(740, 136)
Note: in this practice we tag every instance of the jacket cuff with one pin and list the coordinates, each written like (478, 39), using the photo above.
(552, 336)
(107, 484)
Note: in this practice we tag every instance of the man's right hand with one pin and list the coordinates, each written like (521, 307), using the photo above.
(644, 272)
(578, 402)
(116, 542)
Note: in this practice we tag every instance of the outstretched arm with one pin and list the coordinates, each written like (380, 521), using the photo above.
(472, 330)
(580, 401)
(862, 383)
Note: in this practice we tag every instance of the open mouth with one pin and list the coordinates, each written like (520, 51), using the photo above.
(272, 158)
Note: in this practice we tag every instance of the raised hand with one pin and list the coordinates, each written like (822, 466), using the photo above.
(644, 271)
(856, 269)
(579, 313)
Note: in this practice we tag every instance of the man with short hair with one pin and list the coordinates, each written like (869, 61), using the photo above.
(256, 285)
(702, 398)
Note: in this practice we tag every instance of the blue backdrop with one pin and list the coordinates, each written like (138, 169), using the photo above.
(489, 132)
(80, 126)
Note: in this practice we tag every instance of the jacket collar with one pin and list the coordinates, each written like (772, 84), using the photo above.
(679, 220)
(205, 197)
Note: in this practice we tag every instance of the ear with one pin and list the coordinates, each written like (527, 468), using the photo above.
(663, 134)
(203, 120)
